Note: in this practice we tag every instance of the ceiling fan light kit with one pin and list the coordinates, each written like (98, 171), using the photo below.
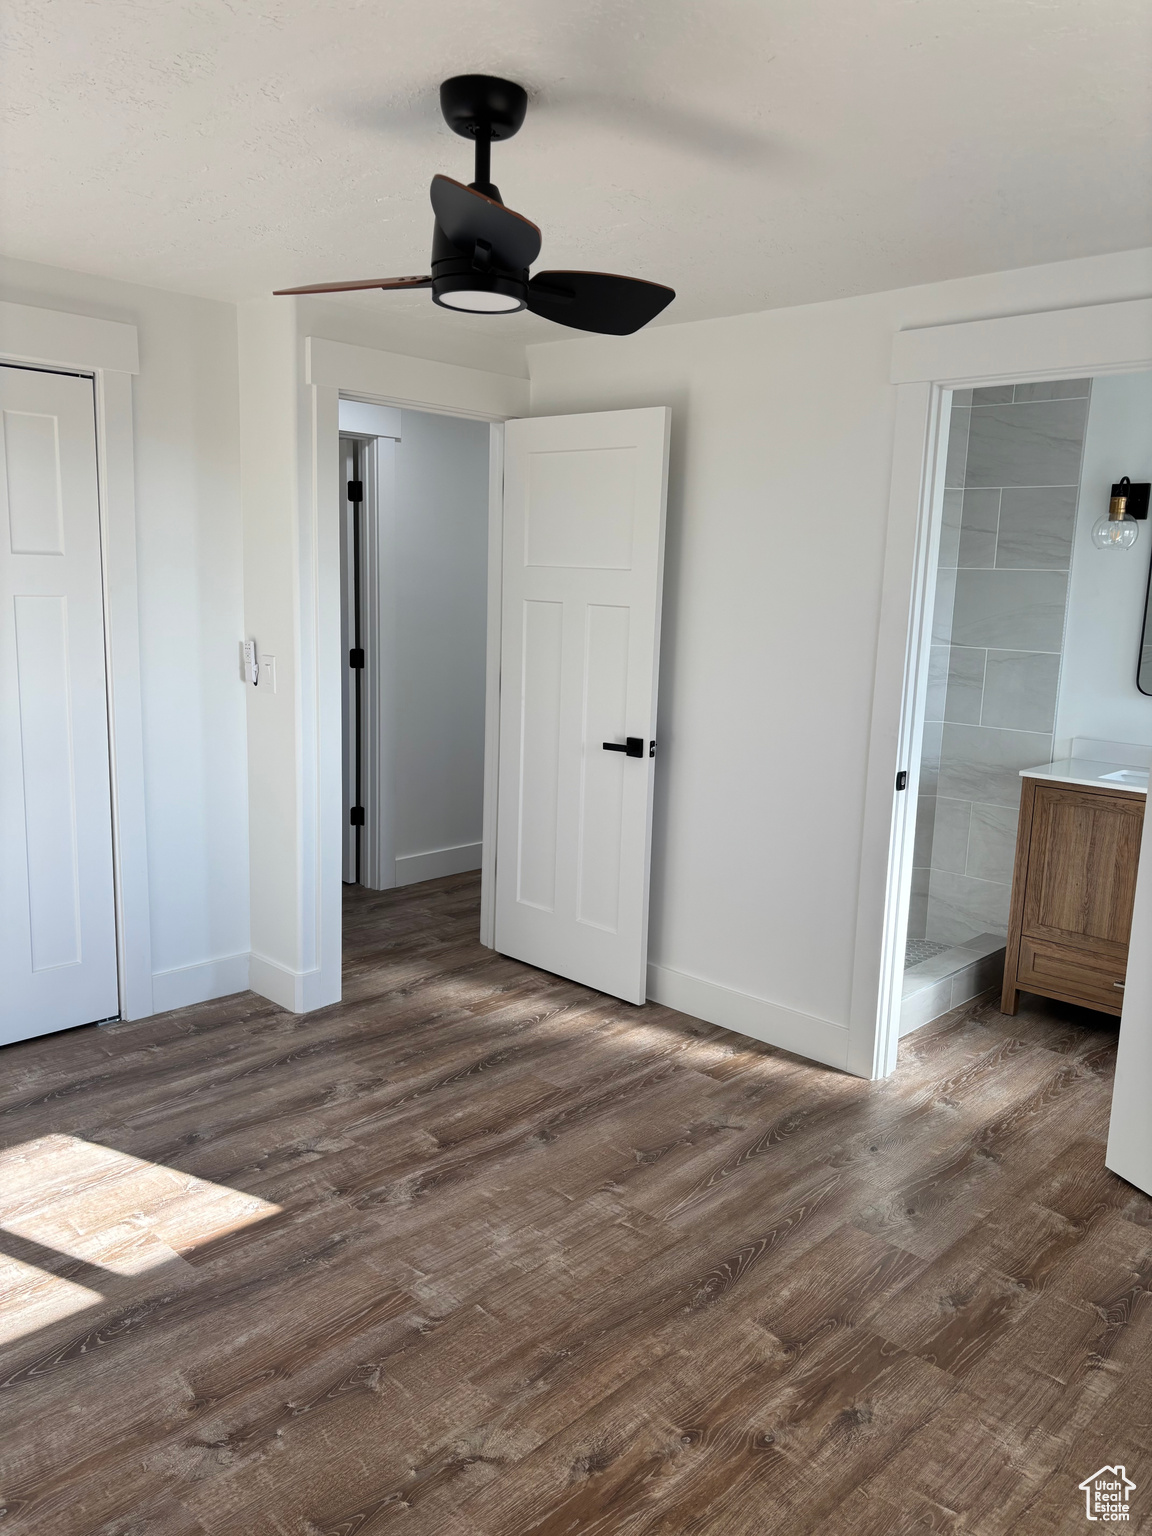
(481, 250)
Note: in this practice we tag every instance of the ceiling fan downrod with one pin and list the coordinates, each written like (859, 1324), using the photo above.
(482, 181)
(483, 108)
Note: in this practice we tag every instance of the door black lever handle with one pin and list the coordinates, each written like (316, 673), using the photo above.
(631, 746)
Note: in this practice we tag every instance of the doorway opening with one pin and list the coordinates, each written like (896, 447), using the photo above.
(1036, 637)
(414, 591)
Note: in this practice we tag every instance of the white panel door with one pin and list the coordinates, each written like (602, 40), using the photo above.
(57, 909)
(584, 505)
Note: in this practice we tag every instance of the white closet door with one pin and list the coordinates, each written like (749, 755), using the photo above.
(584, 505)
(57, 908)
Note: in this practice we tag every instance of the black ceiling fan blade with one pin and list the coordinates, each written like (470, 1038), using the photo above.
(368, 282)
(466, 216)
(597, 301)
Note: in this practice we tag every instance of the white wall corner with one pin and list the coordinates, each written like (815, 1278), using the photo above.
(274, 615)
(801, 1033)
(298, 991)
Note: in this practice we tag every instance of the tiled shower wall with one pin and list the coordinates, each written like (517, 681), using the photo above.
(998, 628)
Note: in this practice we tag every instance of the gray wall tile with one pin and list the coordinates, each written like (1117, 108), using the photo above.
(1009, 610)
(930, 758)
(1036, 527)
(1053, 389)
(1035, 443)
(1020, 690)
(992, 843)
(965, 693)
(950, 529)
(925, 822)
(960, 908)
(924, 1006)
(984, 765)
(977, 978)
(978, 527)
(998, 626)
(943, 605)
(937, 682)
(958, 426)
(950, 835)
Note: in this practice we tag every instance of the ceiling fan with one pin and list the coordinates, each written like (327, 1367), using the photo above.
(481, 251)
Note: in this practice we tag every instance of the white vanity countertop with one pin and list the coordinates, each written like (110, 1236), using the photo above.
(1082, 770)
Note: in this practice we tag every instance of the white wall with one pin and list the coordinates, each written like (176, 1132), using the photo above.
(441, 553)
(188, 552)
(1098, 693)
(273, 551)
(781, 457)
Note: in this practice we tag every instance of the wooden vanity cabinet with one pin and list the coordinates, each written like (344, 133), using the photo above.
(1077, 848)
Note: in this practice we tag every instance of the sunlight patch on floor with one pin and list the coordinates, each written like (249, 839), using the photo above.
(31, 1299)
(117, 1216)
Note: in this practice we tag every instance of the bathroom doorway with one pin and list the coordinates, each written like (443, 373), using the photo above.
(1035, 645)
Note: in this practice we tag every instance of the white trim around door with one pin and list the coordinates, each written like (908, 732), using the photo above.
(108, 351)
(333, 370)
(927, 365)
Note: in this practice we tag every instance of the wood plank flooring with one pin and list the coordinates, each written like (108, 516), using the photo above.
(480, 1252)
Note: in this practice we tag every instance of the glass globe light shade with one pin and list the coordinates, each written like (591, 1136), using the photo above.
(1115, 532)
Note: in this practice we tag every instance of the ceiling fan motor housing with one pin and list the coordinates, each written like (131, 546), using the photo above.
(459, 271)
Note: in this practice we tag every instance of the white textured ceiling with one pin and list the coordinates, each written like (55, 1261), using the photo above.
(751, 153)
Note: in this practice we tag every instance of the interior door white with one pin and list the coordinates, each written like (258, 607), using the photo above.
(584, 508)
(57, 907)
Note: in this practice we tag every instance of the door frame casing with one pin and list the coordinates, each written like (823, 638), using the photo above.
(107, 351)
(928, 364)
(378, 595)
(492, 685)
(335, 370)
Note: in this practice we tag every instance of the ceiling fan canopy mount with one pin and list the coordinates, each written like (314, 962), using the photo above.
(483, 106)
(481, 250)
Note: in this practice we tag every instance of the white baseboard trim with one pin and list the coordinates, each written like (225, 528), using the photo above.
(187, 984)
(298, 991)
(747, 1015)
(437, 863)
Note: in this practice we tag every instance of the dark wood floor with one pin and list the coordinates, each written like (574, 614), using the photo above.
(480, 1252)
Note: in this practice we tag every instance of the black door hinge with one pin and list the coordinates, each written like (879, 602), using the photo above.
(356, 816)
(902, 780)
(355, 490)
(356, 656)
(651, 749)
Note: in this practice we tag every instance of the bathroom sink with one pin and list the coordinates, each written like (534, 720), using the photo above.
(1126, 776)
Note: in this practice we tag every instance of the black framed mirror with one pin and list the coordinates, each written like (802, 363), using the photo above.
(1144, 660)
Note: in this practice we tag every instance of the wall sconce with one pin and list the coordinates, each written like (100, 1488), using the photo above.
(1126, 511)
